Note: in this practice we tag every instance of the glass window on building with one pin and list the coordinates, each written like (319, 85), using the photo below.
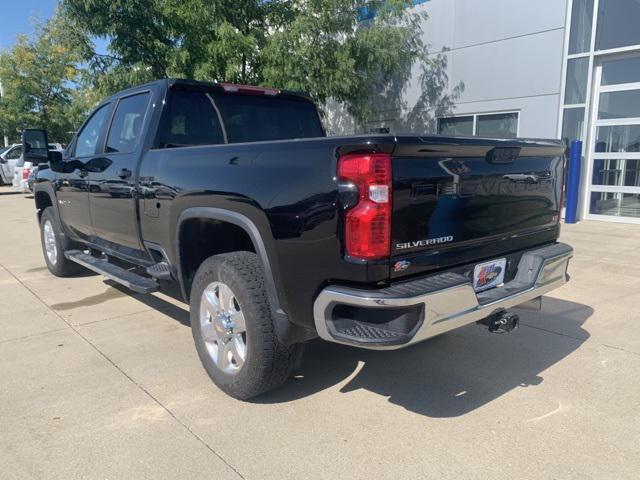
(456, 125)
(499, 125)
(623, 104)
(615, 204)
(573, 125)
(617, 24)
(621, 70)
(576, 87)
(580, 33)
(502, 125)
(616, 172)
(618, 139)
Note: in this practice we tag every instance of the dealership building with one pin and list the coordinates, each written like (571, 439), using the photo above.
(548, 69)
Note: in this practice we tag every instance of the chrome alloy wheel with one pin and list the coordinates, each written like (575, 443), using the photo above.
(50, 242)
(223, 328)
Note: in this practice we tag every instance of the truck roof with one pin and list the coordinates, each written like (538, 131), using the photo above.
(221, 86)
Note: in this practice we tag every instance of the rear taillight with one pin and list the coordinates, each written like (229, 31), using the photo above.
(368, 222)
(25, 173)
(563, 186)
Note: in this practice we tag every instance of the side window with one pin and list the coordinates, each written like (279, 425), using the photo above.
(87, 141)
(14, 153)
(189, 119)
(126, 127)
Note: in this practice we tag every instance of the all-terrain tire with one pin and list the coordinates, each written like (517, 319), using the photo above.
(268, 363)
(59, 265)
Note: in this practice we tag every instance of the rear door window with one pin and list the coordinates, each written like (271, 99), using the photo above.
(126, 127)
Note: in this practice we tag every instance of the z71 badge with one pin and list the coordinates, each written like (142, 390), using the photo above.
(424, 243)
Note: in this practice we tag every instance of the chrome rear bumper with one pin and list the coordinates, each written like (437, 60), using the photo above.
(433, 305)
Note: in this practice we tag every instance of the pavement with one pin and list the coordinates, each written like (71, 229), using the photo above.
(100, 383)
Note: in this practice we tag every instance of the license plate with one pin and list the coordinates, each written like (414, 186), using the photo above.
(489, 274)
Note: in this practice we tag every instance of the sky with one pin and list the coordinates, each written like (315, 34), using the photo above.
(16, 17)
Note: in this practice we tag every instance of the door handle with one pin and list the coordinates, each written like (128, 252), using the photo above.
(124, 173)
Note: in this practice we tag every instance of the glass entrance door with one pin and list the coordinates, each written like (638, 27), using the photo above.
(614, 192)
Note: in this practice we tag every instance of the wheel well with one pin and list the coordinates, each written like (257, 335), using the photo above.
(200, 238)
(43, 200)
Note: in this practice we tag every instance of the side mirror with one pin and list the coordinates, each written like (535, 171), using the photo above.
(35, 146)
(55, 156)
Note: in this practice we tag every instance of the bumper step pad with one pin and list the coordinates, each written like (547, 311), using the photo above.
(361, 331)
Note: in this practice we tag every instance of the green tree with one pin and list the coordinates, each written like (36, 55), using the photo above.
(39, 77)
(322, 47)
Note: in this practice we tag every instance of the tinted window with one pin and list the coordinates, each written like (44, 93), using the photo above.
(189, 119)
(259, 118)
(87, 142)
(126, 126)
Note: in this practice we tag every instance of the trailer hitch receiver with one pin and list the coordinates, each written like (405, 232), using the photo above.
(501, 321)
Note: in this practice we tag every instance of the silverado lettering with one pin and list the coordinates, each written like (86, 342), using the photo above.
(424, 243)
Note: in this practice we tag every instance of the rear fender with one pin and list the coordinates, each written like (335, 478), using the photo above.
(287, 332)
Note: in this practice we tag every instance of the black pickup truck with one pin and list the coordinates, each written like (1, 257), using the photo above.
(277, 234)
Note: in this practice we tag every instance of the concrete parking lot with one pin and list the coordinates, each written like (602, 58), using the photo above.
(98, 383)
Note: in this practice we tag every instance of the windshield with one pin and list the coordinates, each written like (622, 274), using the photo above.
(3, 149)
(249, 118)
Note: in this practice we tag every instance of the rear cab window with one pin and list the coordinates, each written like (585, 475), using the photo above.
(208, 117)
(255, 118)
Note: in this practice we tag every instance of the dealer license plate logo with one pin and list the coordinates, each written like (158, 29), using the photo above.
(489, 274)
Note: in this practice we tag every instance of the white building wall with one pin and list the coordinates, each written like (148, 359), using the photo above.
(508, 54)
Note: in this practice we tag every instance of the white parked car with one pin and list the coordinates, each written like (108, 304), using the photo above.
(23, 169)
(9, 157)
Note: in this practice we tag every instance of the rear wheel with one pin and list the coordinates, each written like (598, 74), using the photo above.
(54, 244)
(233, 327)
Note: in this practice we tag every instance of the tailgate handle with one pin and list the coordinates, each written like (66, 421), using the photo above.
(502, 155)
(522, 178)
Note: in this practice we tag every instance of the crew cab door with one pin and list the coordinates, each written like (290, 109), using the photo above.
(71, 178)
(112, 178)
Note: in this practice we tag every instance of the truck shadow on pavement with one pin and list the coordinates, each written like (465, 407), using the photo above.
(446, 376)
(449, 375)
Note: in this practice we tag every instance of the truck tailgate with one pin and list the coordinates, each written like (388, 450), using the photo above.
(458, 201)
